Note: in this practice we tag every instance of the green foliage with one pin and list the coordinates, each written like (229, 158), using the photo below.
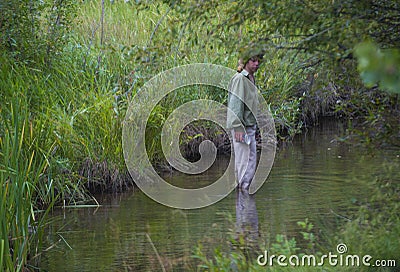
(53, 121)
(308, 235)
(221, 261)
(35, 31)
(374, 228)
(243, 257)
(330, 29)
(61, 120)
(280, 76)
(321, 34)
(77, 110)
(379, 66)
(23, 163)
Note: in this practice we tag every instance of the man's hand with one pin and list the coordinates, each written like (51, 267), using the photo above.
(239, 136)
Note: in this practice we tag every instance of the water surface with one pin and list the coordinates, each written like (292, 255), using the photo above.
(314, 177)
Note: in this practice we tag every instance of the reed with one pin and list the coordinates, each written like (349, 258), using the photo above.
(23, 164)
(51, 121)
(60, 121)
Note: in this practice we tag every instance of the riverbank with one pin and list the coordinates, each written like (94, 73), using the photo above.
(68, 74)
(308, 205)
(76, 100)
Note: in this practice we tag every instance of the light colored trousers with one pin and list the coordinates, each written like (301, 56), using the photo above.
(245, 158)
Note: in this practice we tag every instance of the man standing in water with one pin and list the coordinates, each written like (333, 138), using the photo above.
(242, 107)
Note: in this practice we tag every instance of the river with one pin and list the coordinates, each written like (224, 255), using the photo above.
(315, 177)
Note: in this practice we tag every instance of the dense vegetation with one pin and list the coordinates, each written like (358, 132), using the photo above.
(68, 71)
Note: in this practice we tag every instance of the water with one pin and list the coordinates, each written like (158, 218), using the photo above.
(315, 177)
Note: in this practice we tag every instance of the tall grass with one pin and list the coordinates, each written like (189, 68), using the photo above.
(57, 122)
(60, 126)
(52, 123)
(22, 167)
(136, 42)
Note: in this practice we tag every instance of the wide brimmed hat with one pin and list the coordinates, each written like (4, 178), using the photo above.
(250, 51)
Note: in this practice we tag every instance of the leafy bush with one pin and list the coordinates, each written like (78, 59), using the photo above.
(35, 31)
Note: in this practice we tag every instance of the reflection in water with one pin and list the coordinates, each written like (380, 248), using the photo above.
(247, 231)
(246, 216)
(314, 177)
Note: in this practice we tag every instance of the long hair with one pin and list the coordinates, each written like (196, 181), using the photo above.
(241, 65)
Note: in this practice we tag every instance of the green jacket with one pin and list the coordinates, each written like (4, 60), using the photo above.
(242, 97)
